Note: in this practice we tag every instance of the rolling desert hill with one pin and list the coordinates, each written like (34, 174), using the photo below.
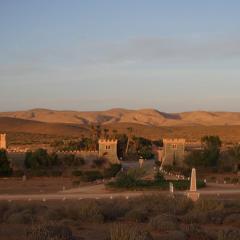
(147, 123)
(15, 125)
(147, 117)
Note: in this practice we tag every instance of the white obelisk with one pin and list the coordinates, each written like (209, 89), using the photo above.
(193, 194)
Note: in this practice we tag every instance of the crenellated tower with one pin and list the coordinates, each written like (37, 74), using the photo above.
(108, 150)
(3, 143)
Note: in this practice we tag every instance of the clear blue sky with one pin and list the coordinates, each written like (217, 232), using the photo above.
(170, 55)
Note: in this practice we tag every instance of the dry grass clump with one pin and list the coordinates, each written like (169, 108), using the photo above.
(206, 211)
(232, 219)
(196, 232)
(50, 232)
(15, 213)
(229, 234)
(137, 215)
(164, 223)
(174, 235)
(86, 210)
(126, 232)
(113, 209)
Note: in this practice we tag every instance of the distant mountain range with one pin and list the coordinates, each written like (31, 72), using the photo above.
(147, 117)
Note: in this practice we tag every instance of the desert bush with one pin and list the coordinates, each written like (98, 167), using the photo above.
(229, 234)
(5, 166)
(196, 232)
(76, 183)
(18, 173)
(157, 204)
(126, 232)
(164, 223)
(50, 232)
(99, 162)
(113, 209)
(77, 173)
(23, 217)
(174, 235)
(21, 213)
(55, 173)
(90, 176)
(56, 214)
(232, 219)
(216, 216)
(235, 180)
(195, 217)
(182, 205)
(86, 210)
(3, 209)
(205, 205)
(137, 215)
(112, 170)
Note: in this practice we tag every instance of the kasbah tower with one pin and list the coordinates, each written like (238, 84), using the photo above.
(108, 150)
(3, 144)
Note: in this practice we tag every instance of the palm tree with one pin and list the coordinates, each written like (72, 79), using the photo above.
(234, 153)
(98, 131)
(106, 132)
(130, 129)
(114, 131)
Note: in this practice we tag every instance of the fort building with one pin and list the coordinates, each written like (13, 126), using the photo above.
(173, 152)
(3, 143)
(108, 150)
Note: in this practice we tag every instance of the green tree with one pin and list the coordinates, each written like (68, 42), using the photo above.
(106, 131)
(211, 150)
(234, 154)
(5, 168)
(40, 159)
(194, 158)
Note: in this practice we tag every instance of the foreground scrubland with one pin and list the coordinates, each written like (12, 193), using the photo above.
(148, 217)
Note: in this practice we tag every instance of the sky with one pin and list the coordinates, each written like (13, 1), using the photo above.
(87, 55)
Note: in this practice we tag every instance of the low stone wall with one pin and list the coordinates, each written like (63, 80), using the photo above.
(86, 155)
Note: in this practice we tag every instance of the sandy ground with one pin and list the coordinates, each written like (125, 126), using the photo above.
(53, 191)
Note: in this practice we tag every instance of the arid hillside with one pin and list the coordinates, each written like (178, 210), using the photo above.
(147, 117)
(25, 130)
(12, 125)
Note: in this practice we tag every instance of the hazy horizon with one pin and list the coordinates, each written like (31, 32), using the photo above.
(173, 56)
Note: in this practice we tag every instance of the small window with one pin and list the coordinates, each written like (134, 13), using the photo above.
(174, 146)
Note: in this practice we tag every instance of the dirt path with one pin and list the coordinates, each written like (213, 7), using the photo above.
(99, 191)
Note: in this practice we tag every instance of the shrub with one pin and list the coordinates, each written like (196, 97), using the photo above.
(112, 170)
(233, 219)
(56, 214)
(175, 235)
(99, 162)
(4, 207)
(50, 232)
(87, 211)
(195, 232)
(77, 173)
(23, 217)
(137, 215)
(18, 173)
(113, 209)
(205, 205)
(229, 234)
(90, 176)
(56, 173)
(164, 223)
(126, 232)
(195, 217)
(5, 168)
(158, 177)
(234, 180)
